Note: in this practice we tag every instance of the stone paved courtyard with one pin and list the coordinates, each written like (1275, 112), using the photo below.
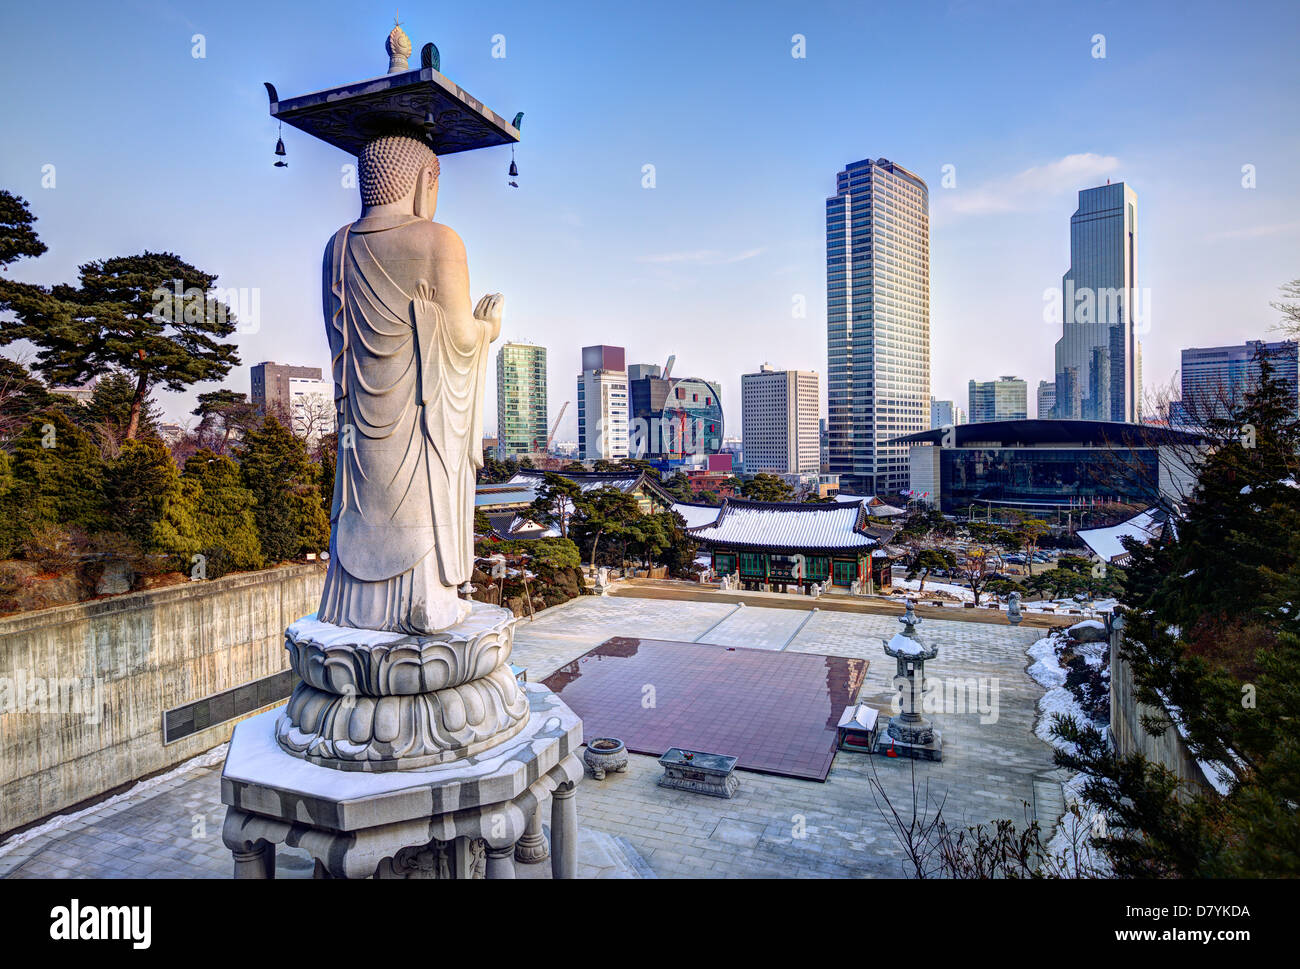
(775, 827)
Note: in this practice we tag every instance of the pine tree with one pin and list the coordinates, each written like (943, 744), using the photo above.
(17, 237)
(58, 479)
(140, 485)
(225, 518)
(288, 512)
(153, 317)
(108, 412)
(1211, 638)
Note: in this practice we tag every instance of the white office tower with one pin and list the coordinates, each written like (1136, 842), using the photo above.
(780, 429)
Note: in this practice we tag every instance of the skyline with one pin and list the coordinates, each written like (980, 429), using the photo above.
(733, 231)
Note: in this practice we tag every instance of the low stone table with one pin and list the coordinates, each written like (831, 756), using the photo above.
(702, 773)
(468, 818)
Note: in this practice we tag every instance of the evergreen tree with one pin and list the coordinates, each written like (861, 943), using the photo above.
(221, 508)
(555, 502)
(766, 487)
(22, 397)
(1210, 637)
(153, 317)
(224, 416)
(604, 512)
(288, 511)
(58, 479)
(108, 412)
(18, 238)
(140, 485)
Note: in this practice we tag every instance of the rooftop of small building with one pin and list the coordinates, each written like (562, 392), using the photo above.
(1051, 433)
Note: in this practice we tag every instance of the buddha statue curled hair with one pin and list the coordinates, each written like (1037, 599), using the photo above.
(389, 165)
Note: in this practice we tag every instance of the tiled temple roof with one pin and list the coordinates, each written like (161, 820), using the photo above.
(838, 526)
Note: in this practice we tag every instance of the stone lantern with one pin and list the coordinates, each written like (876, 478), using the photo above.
(909, 733)
(1014, 615)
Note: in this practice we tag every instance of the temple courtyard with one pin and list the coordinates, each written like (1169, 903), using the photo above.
(776, 826)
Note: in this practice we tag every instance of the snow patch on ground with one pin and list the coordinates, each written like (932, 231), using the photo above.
(960, 592)
(1070, 839)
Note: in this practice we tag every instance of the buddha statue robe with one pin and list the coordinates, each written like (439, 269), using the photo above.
(409, 364)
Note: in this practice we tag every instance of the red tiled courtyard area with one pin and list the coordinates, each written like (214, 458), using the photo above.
(776, 712)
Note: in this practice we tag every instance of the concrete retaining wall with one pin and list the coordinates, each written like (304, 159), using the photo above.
(121, 663)
(1127, 733)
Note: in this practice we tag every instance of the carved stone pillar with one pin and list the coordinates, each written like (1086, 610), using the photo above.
(256, 862)
(564, 831)
(531, 847)
(501, 862)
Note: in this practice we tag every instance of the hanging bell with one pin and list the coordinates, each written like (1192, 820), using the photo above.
(514, 169)
(279, 150)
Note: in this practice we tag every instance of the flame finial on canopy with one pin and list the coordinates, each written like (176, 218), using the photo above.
(398, 46)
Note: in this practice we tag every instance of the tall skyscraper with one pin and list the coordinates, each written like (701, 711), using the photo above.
(1004, 399)
(945, 412)
(1099, 310)
(779, 421)
(1215, 380)
(877, 322)
(1046, 400)
(602, 404)
(521, 399)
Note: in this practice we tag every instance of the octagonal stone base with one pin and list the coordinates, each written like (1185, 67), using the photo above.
(460, 820)
(926, 744)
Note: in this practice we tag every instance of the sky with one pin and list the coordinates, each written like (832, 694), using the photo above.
(156, 148)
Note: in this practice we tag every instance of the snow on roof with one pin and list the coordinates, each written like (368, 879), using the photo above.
(787, 526)
(587, 480)
(875, 507)
(1105, 543)
(697, 515)
(523, 527)
(902, 645)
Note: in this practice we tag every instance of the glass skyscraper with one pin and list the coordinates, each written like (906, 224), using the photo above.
(1215, 380)
(1004, 399)
(877, 323)
(1098, 358)
(521, 399)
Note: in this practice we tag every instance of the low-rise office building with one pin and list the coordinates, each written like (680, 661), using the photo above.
(1047, 464)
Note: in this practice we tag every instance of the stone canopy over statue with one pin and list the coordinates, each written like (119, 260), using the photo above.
(409, 361)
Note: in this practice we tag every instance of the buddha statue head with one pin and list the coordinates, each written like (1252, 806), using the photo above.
(398, 171)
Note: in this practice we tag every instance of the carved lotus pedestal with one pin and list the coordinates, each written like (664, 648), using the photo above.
(405, 757)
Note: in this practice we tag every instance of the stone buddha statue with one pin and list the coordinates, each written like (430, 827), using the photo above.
(409, 361)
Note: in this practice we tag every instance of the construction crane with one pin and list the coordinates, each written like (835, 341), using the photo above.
(556, 426)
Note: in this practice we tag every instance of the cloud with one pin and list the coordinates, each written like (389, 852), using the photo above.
(702, 257)
(1019, 192)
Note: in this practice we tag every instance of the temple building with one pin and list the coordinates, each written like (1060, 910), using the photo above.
(789, 547)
